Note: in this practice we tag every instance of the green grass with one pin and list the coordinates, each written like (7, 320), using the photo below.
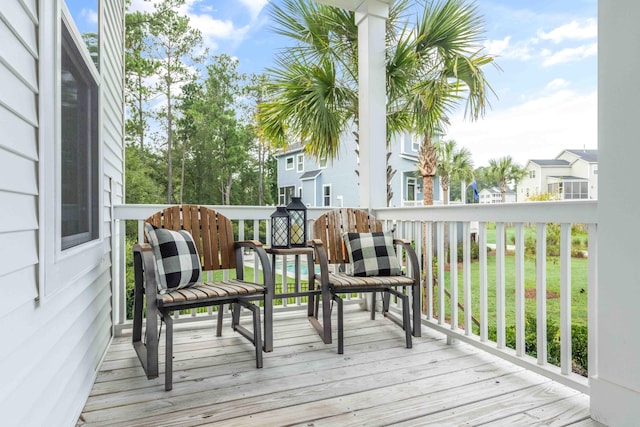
(578, 235)
(579, 291)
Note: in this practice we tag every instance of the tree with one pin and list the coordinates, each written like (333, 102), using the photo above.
(138, 68)
(173, 47)
(313, 90)
(505, 170)
(449, 70)
(453, 163)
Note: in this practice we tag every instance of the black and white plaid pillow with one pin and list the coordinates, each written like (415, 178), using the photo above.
(372, 254)
(177, 260)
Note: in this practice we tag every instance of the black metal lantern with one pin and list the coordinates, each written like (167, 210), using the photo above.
(298, 213)
(280, 228)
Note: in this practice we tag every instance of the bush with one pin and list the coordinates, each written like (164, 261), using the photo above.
(474, 251)
(579, 342)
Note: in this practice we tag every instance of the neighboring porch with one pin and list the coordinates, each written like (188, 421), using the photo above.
(305, 382)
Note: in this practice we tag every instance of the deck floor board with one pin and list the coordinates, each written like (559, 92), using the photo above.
(304, 382)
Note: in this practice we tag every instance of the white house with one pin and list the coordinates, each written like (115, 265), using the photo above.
(494, 195)
(573, 174)
(61, 172)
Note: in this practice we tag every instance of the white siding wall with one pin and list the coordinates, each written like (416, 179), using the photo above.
(50, 342)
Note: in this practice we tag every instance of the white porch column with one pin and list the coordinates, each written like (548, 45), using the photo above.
(371, 17)
(615, 378)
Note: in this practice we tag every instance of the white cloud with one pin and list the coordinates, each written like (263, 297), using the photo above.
(537, 129)
(587, 29)
(556, 84)
(254, 6)
(497, 47)
(571, 54)
(90, 15)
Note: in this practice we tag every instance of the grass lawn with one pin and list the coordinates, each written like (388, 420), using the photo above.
(579, 292)
(579, 237)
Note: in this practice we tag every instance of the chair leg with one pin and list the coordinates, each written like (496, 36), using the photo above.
(168, 361)
(373, 305)
(257, 339)
(417, 321)
(338, 301)
(235, 316)
(406, 319)
(220, 318)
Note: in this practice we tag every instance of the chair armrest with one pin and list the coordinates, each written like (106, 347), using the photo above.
(248, 244)
(321, 259)
(144, 265)
(412, 258)
(267, 274)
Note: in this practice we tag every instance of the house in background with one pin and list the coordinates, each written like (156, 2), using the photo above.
(493, 195)
(573, 174)
(334, 182)
(61, 173)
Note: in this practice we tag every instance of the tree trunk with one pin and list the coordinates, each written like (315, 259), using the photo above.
(182, 171)
(427, 160)
(140, 115)
(169, 145)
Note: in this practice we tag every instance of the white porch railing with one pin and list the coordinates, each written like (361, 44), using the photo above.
(431, 222)
(428, 224)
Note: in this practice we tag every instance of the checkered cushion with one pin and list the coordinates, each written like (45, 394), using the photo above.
(372, 254)
(177, 261)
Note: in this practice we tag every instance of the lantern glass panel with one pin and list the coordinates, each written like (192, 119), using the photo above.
(280, 228)
(298, 213)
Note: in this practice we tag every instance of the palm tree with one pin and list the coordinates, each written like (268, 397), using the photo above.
(450, 71)
(313, 88)
(505, 170)
(452, 164)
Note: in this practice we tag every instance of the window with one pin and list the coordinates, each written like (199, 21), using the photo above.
(326, 195)
(288, 163)
(322, 162)
(285, 194)
(411, 189)
(300, 163)
(415, 143)
(532, 174)
(79, 146)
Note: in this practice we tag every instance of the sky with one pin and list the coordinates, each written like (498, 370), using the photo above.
(545, 81)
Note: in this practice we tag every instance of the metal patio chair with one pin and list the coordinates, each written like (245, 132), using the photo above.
(213, 239)
(330, 249)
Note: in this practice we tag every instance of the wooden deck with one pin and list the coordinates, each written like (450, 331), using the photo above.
(304, 382)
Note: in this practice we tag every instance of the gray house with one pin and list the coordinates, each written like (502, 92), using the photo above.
(334, 182)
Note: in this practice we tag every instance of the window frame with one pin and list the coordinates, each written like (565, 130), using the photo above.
(88, 157)
(300, 163)
(59, 268)
(287, 166)
(325, 195)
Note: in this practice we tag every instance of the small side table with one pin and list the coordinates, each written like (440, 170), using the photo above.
(296, 252)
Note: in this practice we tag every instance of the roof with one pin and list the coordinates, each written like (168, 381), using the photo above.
(590, 156)
(550, 162)
(310, 174)
(496, 190)
(569, 178)
(292, 148)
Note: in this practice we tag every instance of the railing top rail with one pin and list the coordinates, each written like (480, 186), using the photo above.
(576, 212)
(140, 211)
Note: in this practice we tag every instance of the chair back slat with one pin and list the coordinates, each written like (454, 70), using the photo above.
(212, 233)
(330, 226)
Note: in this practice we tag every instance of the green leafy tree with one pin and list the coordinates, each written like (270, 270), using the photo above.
(453, 163)
(173, 47)
(505, 170)
(138, 69)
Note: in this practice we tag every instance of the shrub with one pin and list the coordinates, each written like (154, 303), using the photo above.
(579, 342)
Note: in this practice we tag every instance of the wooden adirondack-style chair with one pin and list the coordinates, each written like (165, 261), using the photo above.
(212, 236)
(340, 230)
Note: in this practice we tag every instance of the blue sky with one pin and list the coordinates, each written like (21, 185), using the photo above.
(546, 86)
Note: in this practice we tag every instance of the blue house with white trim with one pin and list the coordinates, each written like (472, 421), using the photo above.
(335, 183)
